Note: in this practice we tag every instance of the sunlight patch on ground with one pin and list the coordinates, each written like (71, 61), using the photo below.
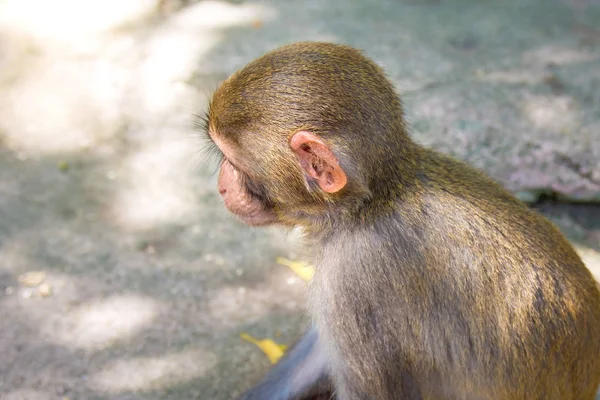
(512, 77)
(155, 190)
(556, 114)
(557, 55)
(57, 107)
(100, 323)
(74, 75)
(220, 14)
(590, 257)
(69, 19)
(145, 373)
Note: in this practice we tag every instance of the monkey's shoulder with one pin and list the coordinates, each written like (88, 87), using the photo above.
(461, 190)
(444, 173)
(484, 216)
(461, 209)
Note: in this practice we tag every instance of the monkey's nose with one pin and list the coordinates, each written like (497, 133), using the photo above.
(222, 191)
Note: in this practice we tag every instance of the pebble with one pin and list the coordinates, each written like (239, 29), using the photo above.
(45, 290)
(32, 279)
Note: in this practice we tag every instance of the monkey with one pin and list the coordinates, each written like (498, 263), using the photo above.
(432, 281)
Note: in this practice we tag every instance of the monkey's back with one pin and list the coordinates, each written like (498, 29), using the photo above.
(543, 303)
(488, 292)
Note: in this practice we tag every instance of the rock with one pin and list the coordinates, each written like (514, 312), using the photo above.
(45, 290)
(32, 279)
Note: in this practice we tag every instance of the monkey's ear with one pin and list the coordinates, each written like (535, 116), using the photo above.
(318, 161)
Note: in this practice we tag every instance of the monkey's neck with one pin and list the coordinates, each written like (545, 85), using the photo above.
(391, 180)
(377, 204)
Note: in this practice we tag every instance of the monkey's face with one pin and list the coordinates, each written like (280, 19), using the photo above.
(240, 200)
(241, 196)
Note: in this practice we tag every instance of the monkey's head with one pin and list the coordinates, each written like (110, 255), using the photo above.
(308, 132)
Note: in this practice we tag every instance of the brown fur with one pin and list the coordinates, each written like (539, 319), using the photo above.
(432, 282)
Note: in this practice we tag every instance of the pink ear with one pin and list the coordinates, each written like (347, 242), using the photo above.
(318, 161)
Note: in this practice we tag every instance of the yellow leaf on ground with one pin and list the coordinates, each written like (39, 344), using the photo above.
(273, 350)
(300, 268)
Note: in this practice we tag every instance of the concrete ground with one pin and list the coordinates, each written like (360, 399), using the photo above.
(121, 274)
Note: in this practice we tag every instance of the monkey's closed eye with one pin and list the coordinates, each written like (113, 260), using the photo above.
(254, 189)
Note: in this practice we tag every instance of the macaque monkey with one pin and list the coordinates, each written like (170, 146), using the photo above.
(432, 281)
